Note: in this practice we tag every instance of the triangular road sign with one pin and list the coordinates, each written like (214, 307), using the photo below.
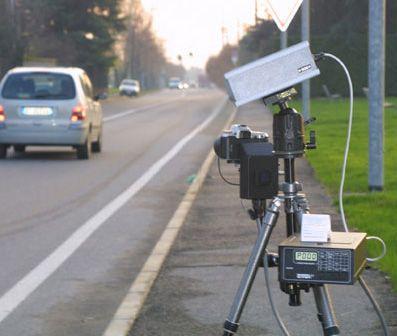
(283, 11)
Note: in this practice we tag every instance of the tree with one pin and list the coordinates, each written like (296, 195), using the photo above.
(218, 65)
(337, 27)
(145, 58)
(12, 46)
(75, 33)
(90, 34)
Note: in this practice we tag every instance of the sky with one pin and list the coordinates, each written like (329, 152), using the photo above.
(195, 26)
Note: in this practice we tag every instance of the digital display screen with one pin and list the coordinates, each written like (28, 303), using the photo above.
(305, 256)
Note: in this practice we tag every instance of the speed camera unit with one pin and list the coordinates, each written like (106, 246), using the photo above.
(271, 74)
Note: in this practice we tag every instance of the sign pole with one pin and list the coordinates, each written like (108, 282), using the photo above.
(376, 92)
(283, 39)
(282, 12)
(306, 37)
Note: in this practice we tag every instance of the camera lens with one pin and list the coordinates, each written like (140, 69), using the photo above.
(218, 148)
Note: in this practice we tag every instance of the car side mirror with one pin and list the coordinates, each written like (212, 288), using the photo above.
(101, 96)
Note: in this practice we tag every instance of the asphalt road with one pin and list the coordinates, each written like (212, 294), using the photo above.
(47, 194)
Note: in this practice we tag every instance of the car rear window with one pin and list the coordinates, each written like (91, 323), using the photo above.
(130, 82)
(40, 86)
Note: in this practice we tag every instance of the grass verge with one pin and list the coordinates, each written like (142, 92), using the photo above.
(375, 212)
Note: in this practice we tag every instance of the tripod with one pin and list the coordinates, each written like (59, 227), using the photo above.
(288, 136)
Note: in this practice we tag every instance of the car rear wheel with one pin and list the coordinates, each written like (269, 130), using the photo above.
(96, 146)
(83, 151)
(19, 148)
(3, 151)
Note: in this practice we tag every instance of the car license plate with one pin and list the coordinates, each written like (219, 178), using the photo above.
(37, 111)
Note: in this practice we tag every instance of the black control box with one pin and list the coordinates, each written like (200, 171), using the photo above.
(258, 171)
(339, 261)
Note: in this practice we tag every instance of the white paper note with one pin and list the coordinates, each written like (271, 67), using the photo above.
(315, 228)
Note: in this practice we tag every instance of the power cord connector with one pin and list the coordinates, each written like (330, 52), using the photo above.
(319, 56)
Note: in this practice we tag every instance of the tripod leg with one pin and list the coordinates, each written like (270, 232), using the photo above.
(269, 221)
(325, 310)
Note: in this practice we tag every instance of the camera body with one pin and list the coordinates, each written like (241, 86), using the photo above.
(228, 145)
(258, 164)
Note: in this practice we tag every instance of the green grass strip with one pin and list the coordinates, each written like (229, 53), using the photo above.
(374, 213)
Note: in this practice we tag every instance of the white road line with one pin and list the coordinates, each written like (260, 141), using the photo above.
(132, 304)
(26, 286)
(129, 112)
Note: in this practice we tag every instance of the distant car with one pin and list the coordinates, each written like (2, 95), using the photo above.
(49, 107)
(175, 83)
(129, 87)
(193, 84)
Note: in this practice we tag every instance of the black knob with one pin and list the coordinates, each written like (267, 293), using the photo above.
(312, 143)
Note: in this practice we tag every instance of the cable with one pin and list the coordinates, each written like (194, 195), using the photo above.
(223, 178)
(342, 183)
(269, 294)
(347, 148)
(375, 304)
(383, 252)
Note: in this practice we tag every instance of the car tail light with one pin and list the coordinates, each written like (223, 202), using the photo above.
(2, 114)
(78, 114)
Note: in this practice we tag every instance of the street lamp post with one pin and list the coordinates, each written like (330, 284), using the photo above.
(306, 37)
(376, 92)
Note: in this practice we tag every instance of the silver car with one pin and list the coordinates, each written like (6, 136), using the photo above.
(49, 107)
(129, 87)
